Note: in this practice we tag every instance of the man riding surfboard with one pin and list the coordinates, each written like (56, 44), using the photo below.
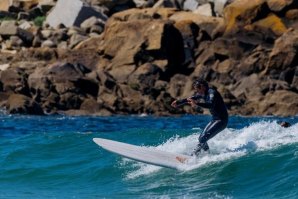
(213, 101)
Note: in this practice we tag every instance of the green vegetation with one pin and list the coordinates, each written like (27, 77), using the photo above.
(6, 18)
(38, 21)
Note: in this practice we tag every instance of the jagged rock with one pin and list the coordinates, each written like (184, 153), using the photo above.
(292, 14)
(278, 5)
(92, 107)
(205, 10)
(143, 3)
(67, 81)
(4, 5)
(190, 5)
(76, 39)
(267, 26)
(132, 100)
(92, 21)
(294, 84)
(48, 44)
(166, 4)
(20, 104)
(219, 6)
(78, 12)
(46, 5)
(243, 12)
(4, 67)
(212, 25)
(284, 52)
(281, 103)
(134, 41)
(8, 28)
(14, 80)
(144, 78)
(190, 34)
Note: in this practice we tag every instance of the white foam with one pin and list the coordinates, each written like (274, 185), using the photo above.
(229, 144)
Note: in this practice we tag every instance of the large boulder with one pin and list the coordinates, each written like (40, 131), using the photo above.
(138, 39)
(243, 12)
(63, 84)
(212, 25)
(281, 103)
(279, 5)
(20, 104)
(5, 4)
(284, 52)
(14, 80)
(77, 12)
(272, 24)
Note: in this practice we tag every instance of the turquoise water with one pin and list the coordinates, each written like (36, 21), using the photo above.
(55, 157)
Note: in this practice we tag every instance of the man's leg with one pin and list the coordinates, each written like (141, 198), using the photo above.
(213, 128)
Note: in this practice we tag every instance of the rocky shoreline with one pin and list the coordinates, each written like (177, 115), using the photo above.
(105, 57)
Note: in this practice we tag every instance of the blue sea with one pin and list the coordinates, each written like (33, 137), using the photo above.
(55, 157)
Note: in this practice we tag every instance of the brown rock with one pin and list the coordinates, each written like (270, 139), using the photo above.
(14, 80)
(131, 100)
(212, 25)
(22, 105)
(141, 41)
(144, 78)
(271, 24)
(284, 51)
(243, 12)
(141, 14)
(4, 5)
(278, 5)
(292, 14)
(282, 103)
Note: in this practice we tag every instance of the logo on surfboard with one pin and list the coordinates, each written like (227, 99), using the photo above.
(181, 159)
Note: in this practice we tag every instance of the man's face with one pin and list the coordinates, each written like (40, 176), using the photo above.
(200, 89)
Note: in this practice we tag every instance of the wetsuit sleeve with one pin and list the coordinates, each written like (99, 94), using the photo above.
(184, 101)
(209, 103)
(181, 102)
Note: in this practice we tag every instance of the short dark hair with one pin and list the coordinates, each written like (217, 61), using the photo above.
(200, 81)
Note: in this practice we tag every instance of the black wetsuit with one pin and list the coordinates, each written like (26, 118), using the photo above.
(218, 110)
(214, 102)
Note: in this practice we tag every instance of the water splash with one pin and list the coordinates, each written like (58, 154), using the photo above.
(229, 144)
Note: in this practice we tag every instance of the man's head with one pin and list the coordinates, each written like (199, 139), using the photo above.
(200, 86)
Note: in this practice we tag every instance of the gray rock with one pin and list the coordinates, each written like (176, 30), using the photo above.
(204, 9)
(48, 43)
(76, 39)
(72, 13)
(190, 5)
(25, 25)
(8, 28)
(92, 21)
(219, 6)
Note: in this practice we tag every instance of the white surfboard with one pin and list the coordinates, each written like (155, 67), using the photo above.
(144, 154)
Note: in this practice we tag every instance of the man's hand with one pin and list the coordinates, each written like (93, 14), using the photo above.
(174, 104)
(192, 103)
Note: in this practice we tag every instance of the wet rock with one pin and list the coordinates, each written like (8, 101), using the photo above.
(14, 80)
(20, 104)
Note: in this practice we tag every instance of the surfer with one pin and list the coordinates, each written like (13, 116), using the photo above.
(213, 101)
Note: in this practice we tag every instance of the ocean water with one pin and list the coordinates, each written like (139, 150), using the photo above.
(55, 157)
